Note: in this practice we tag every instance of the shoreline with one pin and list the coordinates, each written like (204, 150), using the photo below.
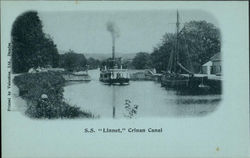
(41, 96)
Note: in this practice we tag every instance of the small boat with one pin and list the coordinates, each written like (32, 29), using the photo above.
(77, 76)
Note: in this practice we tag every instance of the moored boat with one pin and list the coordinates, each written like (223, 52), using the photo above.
(178, 76)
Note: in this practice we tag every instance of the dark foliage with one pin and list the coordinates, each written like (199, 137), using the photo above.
(49, 84)
(127, 64)
(93, 63)
(46, 109)
(72, 61)
(142, 61)
(198, 41)
(31, 47)
(160, 56)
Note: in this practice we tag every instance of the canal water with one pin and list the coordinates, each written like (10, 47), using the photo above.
(152, 99)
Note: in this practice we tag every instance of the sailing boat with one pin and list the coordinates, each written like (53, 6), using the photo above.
(173, 78)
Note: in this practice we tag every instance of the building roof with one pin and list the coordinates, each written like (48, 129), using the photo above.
(216, 57)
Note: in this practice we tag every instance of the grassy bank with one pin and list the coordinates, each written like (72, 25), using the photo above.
(44, 95)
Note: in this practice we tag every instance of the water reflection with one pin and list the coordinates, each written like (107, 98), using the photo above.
(113, 100)
(153, 100)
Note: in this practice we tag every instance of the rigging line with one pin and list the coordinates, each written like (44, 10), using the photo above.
(189, 59)
(170, 61)
(185, 69)
(171, 58)
(188, 55)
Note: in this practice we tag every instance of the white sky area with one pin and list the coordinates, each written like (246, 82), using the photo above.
(140, 31)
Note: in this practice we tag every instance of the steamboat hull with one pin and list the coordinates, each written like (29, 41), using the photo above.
(114, 76)
(120, 81)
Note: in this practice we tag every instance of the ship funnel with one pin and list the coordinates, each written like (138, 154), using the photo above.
(114, 31)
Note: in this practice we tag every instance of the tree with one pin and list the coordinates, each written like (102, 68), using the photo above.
(127, 64)
(30, 46)
(198, 41)
(161, 54)
(93, 63)
(142, 61)
(72, 61)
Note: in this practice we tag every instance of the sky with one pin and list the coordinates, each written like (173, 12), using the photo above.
(140, 31)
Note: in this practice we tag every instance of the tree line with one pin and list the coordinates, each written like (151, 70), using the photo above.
(198, 41)
(32, 48)
(72, 61)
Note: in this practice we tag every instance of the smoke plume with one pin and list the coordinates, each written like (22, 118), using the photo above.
(113, 29)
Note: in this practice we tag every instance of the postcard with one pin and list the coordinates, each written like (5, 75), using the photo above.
(125, 79)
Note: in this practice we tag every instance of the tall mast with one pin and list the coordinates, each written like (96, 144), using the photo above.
(173, 60)
(177, 45)
(177, 23)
